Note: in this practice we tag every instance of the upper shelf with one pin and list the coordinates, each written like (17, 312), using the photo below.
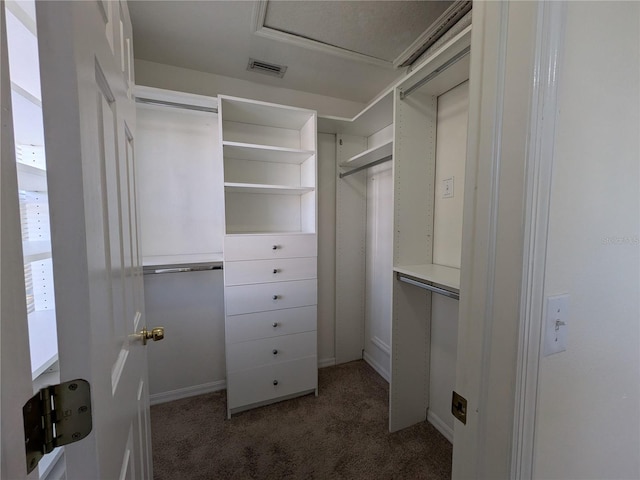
(261, 113)
(373, 118)
(265, 153)
(265, 189)
(369, 156)
(447, 277)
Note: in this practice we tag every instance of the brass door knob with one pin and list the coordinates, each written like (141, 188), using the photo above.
(155, 334)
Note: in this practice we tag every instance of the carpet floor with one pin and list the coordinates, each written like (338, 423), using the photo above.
(341, 434)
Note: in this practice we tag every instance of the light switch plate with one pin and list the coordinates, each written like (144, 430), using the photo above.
(556, 324)
(447, 188)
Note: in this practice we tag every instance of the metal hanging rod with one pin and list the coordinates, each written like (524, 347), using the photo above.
(368, 165)
(427, 286)
(459, 56)
(182, 268)
(184, 106)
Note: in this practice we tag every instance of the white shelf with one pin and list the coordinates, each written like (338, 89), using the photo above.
(32, 179)
(264, 114)
(369, 156)
(373, 118)
(36, 250)
(265, 189)
(43, 341)
(186, 259)
(437, 274)
(265, 153)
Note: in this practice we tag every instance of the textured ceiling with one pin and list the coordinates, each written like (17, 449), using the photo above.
(380, 29)
(218, 37)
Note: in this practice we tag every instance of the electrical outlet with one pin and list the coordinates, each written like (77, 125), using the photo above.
(447, 188)
(556, 324)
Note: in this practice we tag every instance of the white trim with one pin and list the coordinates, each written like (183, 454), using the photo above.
(419, 42)
(494, 193)
(170, 396)
(439, 425)
(384, 373)
(544, 111)
(381, 345)
(326, 362)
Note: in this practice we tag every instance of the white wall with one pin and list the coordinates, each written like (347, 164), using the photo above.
(588, 423)
(379, 268)
(169, 77)
(451, 154)
(190, 360)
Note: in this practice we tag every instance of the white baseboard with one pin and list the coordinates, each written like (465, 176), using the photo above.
(187, 392)
(442, 427)
(326, 362)
(376, 366)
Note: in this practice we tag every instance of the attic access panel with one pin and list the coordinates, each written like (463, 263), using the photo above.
(381, 30)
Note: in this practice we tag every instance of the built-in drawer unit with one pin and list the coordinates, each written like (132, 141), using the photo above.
(253, 326)
(247, 387)
(262, 297)
(264, 271)
(264, 247)
(255, 353)
(270, 251)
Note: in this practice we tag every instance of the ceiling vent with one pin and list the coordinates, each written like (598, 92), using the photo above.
(267, 68)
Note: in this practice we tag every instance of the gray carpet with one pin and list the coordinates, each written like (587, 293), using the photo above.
(341, 434)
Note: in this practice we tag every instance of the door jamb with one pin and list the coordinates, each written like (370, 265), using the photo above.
(538, 181)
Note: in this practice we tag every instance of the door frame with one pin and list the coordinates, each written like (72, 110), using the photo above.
(512, 112)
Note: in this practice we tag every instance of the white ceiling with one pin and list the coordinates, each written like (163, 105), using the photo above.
(220, 36)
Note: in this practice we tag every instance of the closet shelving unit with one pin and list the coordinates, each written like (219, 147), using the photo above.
(362, 143)
(24, 72)
(415, 114)
(32, 184)
(270, 251)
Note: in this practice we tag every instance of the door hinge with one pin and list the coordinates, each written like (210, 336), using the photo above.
(57, 415)
(459, 407)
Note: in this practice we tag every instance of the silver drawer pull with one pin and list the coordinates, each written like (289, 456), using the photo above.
(275, 382)
(275, 270)
(275, 325)
(275, 247)
(276, 297)
(275, 352)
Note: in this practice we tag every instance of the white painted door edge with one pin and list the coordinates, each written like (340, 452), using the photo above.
(544, 111)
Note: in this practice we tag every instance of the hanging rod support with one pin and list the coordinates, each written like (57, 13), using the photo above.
(459, 56)
(368, 165)
(427, 286)
(184, 106)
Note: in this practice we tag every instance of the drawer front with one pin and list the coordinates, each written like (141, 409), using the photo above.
(256, 353)
(261, 297)
(253, 326)
(271, 381)
(263, 271)
(261, 247)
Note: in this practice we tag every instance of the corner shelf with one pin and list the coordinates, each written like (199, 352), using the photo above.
(265, 153)
(265, 189)
(369, 156)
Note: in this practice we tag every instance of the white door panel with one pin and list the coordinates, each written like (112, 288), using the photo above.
(89, 127)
